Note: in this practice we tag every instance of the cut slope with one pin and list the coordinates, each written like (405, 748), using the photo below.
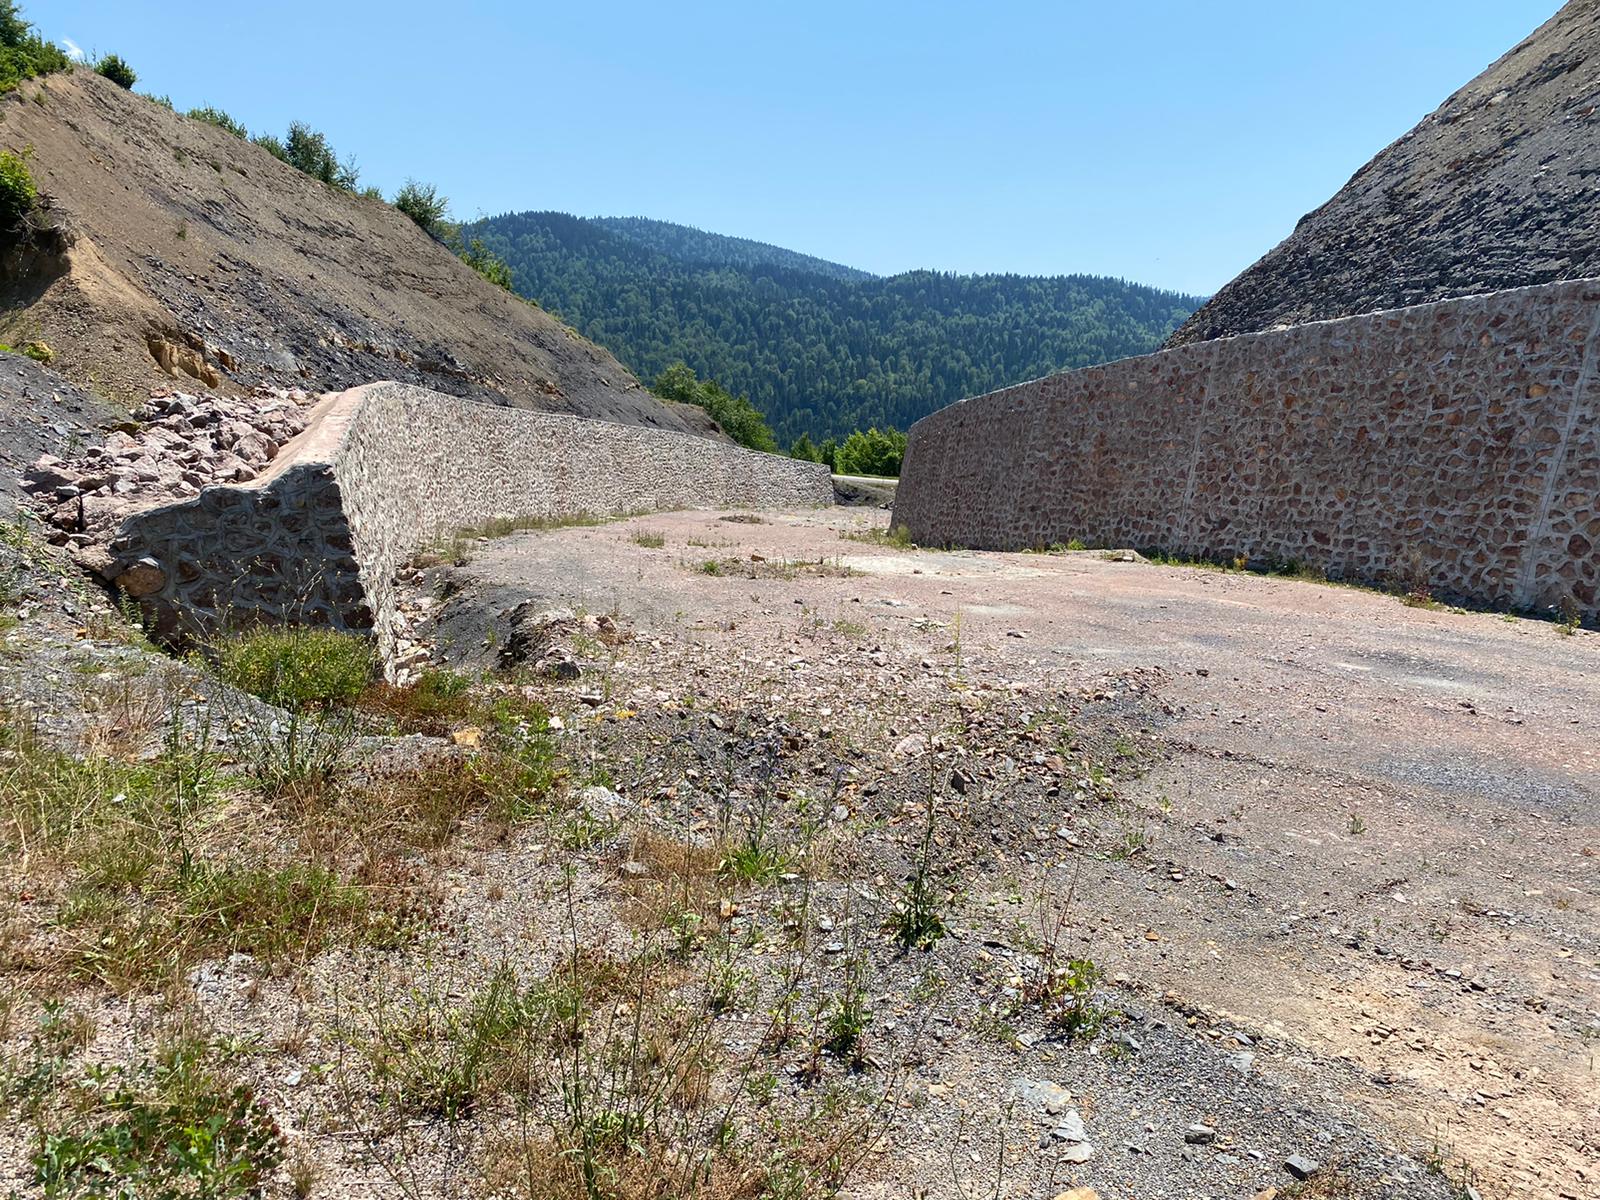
(191, 251)
(1496, 189)
(820, 354)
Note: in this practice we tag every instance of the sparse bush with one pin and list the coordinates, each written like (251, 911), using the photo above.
(1569, 617)
(434, 705)
(917, 922)
(424, 205)
(18, 192)
(215, 116)
(649, 539)
(298, 669)
(485, 262)
(850, 1016)
(115, 68)
(271, 145)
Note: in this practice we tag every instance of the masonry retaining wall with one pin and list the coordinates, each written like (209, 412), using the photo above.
(386, 469)
(1460, 440)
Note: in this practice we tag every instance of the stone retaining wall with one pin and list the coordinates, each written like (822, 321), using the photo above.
(384, 470)
(1458, 442)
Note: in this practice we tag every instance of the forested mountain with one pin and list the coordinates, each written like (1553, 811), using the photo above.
(821, 349)
(714, 249)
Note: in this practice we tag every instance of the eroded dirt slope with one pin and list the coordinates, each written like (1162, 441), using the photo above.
(1495, 189)
(193, 253)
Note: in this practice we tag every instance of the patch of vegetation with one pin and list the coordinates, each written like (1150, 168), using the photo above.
(309, 673)
(759, 567)
(23, 53)
(424, 205)
(115, 68)
(215, 116)
(649, 539)
(1327, 1184)
(735, 415)
(485, 262)
(168, 1128)
(435, 704)
(38, 351)
(141, 895)
(18, 192)
(454, 547)
(297, 668)
(872, 452)
(897, 536)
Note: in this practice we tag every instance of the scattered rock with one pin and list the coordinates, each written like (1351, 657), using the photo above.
(1199, 1135)
(1300, 1167)
(142, 578)
(1070, 1128)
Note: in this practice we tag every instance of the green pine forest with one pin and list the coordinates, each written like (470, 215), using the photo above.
(821, 349)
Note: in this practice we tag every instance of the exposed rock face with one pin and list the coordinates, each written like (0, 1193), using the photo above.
(41, 413)
(1499, 188)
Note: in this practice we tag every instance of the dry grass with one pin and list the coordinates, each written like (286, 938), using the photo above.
(1326, 1184)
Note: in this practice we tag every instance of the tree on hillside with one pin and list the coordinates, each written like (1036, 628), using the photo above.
(424, 205)
(115, 68)
(308, 150)
(483, 260)
(805, 449)
(739, 419)
(23, 53)
(874, 452)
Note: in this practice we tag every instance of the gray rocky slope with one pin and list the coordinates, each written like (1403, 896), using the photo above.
(1497, 188)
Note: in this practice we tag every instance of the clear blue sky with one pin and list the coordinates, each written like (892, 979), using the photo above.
(1168, 142)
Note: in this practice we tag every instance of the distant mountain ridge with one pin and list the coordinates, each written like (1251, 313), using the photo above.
(819, 347)
(691, 245)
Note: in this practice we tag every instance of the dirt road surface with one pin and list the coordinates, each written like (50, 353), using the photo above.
(1360, 837)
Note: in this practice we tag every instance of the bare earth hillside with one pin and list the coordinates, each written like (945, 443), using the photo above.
(190, 252)
(1496, 189)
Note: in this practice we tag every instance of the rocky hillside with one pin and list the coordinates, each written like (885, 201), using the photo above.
(183, 252)
(1497, 188)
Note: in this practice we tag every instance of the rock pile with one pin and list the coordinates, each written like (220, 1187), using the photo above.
(172, 447)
